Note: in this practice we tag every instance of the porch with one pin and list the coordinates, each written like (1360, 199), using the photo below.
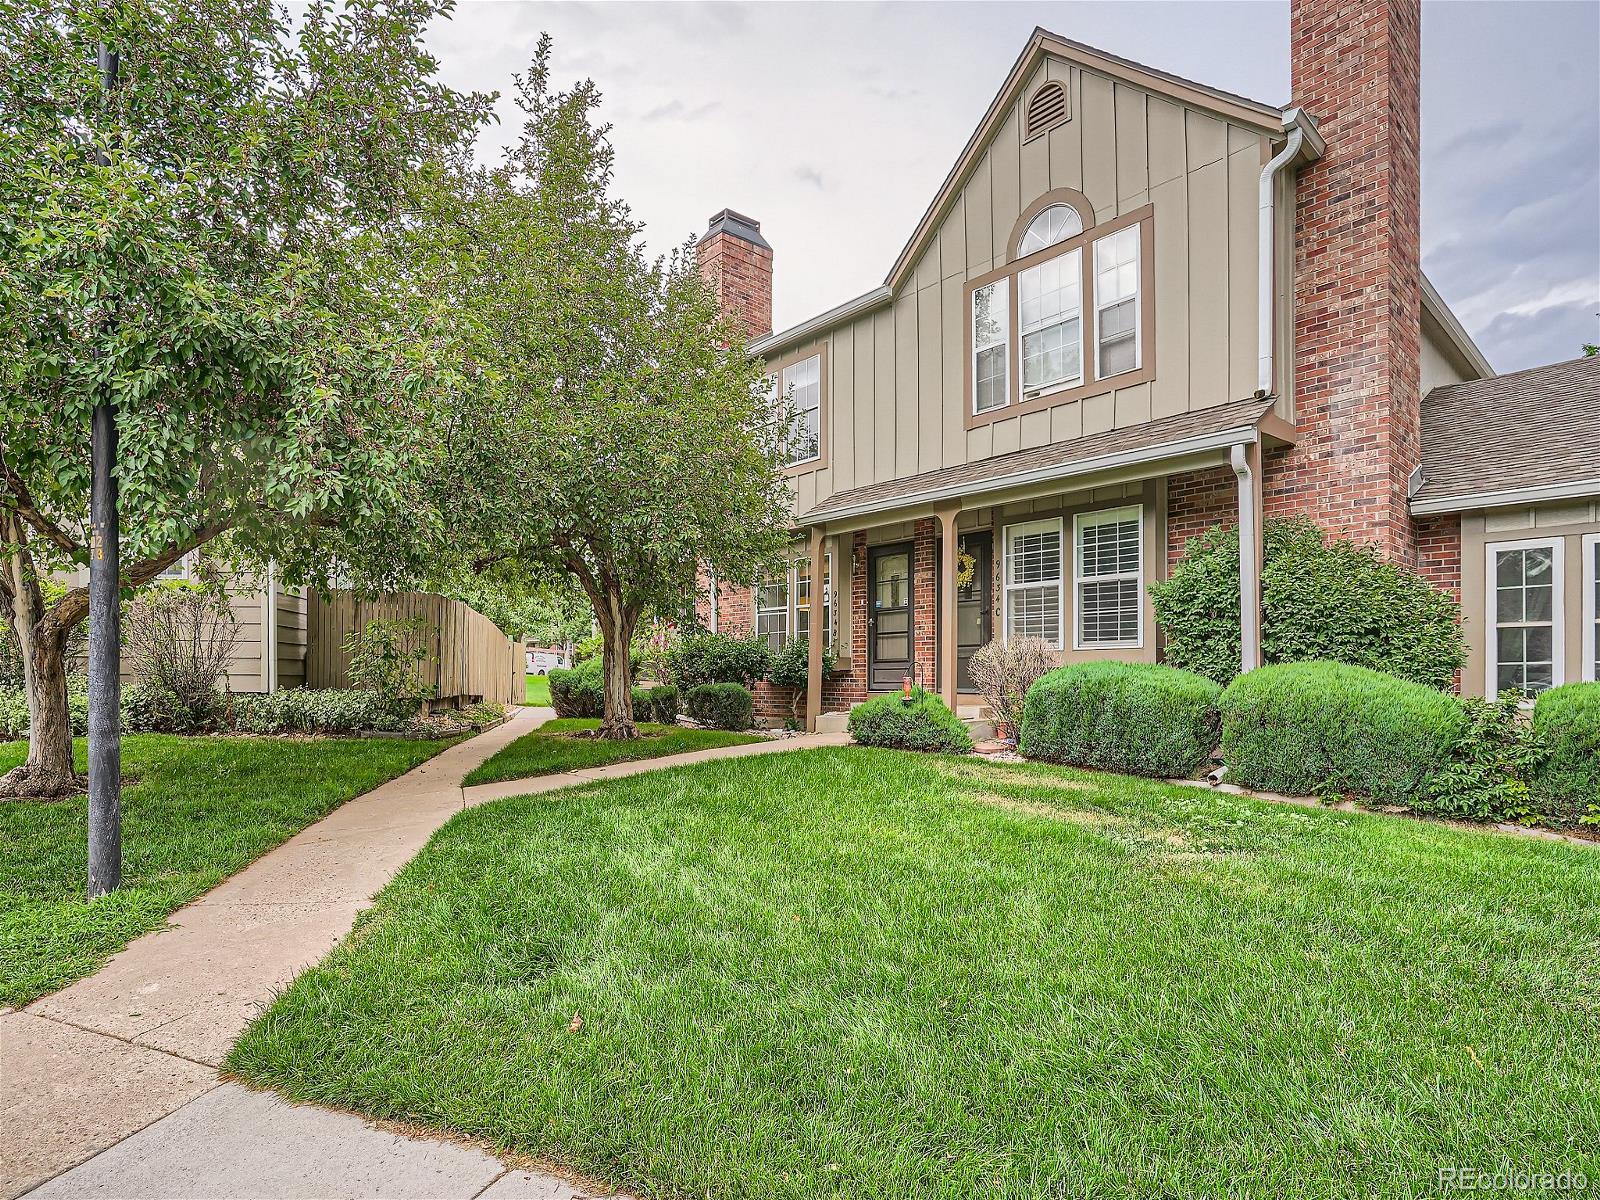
(1057, 542)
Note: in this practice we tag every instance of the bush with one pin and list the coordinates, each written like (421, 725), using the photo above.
(179, 638)
(658, 704)
(14, 709)
(1137, 718)
(1490, 768)
(721, 705)
(152, 708)
(1567, 721)
(718, 658)
(387, 657)
(1003, 672)
(791, 668)
(320, 710)
(1317, 728)
(580, 692)
(1322, 600)
(920, 723)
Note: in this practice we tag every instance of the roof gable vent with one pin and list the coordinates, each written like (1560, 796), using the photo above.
(1047, 109)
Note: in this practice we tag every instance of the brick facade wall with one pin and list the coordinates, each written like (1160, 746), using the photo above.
(925, 603)
(1197, 500)
(1357, 274)
(741, 275)
(1439, 551)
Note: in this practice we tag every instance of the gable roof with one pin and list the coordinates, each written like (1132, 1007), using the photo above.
(1522, 438)
(1227, 105)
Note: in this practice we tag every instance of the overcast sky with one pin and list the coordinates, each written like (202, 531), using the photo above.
(834, 124)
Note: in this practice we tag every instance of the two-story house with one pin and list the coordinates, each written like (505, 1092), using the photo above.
(1137, 307)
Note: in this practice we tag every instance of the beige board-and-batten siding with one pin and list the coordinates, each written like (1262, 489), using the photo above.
(468, 656)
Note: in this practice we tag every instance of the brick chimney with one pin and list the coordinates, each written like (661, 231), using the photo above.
(737, 261)
(1357, 275)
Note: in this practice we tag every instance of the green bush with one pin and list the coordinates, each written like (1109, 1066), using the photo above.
(721, 705)
(718, 658)
(320, 710)
(1567, 721)
(1324, 600)
(387, 656)
(1317, 728)
(658, 704)
(1138, 718)
(151, 708)
(1487, 777)
(920, 723)
(14, 709)
(579, 692)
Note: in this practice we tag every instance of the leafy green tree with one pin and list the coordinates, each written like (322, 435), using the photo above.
(206, 247)
(552, 612)
(618, 434)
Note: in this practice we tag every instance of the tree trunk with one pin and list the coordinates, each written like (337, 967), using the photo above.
(616, 631)
(47, 774)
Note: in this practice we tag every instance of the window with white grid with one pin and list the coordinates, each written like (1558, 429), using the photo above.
(991, 346)
(1110, 579)
(802, 599)
(1524, 595)
(772, 610)
(801, 396)
(1050, 300)
(1116, 303)
(1033, 581)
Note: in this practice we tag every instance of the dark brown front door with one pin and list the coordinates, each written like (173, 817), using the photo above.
(889, 619)
(974, 603)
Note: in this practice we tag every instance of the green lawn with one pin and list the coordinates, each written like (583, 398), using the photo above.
(557, 746)
(850, 972)
(195, 810)
(538, 690)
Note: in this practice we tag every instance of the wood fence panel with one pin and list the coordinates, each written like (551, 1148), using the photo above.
(468, 656)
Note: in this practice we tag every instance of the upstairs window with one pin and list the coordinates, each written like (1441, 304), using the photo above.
(991, 346)
(1052, 226)
(1050, 298)
(1116, 300)
(798, 397)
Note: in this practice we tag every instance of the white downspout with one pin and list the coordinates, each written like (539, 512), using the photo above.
(712, 576)
(1266, 290)
(1249, 563)
(270, 638)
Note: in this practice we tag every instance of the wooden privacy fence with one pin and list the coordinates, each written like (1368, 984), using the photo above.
(468, 657)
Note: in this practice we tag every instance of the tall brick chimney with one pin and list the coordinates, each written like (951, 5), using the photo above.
(1357, 274)
(737, 261)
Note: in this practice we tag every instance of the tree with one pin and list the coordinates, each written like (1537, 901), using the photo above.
(218, 274)
(551, 611)
(619, 436)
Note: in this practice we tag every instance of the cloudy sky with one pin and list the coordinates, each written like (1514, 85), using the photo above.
(834, 124)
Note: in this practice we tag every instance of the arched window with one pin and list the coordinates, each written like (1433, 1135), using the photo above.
(1054, 224)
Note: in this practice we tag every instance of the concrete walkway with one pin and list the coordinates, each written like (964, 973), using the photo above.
(118, 1072)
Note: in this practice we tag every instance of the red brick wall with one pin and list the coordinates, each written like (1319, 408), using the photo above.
(1439, 551)
(741, 275)
(925, 602)
(1197, 500)
(1357, 283)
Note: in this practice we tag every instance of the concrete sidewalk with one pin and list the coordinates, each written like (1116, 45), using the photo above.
(136, 1046)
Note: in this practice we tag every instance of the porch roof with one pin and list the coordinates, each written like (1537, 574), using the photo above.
(1152, 441)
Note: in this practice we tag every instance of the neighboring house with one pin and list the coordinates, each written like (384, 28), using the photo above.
(1138, 307)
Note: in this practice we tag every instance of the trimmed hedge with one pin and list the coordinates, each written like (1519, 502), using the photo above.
(1138, 718)
(658, 704)
(921, 723)
(721, 705)
(579, 692)
(1316, 728)
(1567, 721)
(718, 658)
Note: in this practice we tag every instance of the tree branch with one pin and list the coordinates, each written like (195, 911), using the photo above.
(24, 505)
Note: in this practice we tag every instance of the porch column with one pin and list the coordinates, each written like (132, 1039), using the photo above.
(947, 607)
(818, 634)
(1246, 462)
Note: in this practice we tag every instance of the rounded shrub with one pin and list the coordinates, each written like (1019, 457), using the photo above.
(1315, 728)
(658, 704)
(718, 658)
(1137, 718)
(721, 705)
(1323, 599)
(920, 723)
(1566, 720)
(579, 692)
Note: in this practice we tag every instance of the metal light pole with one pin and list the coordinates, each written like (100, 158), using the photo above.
(105, 621)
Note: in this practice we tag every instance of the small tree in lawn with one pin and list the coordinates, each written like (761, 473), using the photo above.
(205, 248)
(619, 436)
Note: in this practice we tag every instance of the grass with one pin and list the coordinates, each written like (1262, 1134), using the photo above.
(538, 691)
(556, 746)
(851, 972)
(194, 811)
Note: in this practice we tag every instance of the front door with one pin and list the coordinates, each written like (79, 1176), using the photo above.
(889, 621)
(974, 601)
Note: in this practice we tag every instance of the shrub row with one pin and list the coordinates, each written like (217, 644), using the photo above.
(1132, 717)
(920, 723)
(1566, 721)
(321, 710)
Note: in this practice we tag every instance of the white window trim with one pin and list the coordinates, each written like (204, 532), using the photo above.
(1069, 382)
(1138, 306)
(180, 571)
(1012, 343)
(1106, 516)
(1491, 623)
(1587, 672)
(1007, 587)
(788, 414)
(827, 607)
(757, 611)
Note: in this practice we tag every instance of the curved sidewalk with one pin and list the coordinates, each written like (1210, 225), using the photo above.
(136, 1046)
